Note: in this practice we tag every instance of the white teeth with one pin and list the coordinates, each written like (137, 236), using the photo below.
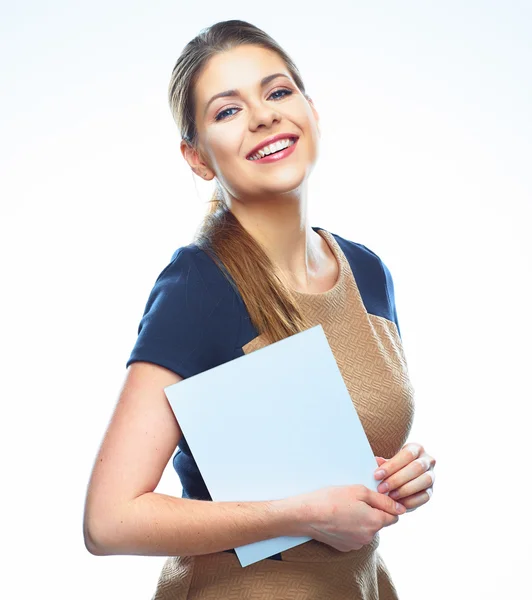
(273, 148)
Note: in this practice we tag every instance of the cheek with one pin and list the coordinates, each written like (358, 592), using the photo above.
(226, 144)
(303, 117)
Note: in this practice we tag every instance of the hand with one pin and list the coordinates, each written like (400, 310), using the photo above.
(408, 476)
(345, 517)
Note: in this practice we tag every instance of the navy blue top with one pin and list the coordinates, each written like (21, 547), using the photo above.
(195, 319)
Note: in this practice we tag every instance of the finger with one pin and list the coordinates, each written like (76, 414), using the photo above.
(386, 519)
(419, 484)
(416, 500)
(405, 456)
(382, 502)
(380, 460)
(411, 472)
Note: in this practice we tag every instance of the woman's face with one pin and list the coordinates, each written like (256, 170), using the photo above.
(229, 128)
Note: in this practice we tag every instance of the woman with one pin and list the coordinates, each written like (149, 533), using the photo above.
(256, 273)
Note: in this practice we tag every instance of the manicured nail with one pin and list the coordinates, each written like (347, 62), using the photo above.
(379, 474)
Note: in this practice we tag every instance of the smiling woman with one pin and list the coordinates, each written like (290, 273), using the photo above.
(256, 273)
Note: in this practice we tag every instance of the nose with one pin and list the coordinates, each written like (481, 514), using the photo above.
(263, 115)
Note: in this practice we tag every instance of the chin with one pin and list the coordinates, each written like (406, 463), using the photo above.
(289, 179)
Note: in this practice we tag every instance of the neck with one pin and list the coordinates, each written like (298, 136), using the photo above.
(280, 225)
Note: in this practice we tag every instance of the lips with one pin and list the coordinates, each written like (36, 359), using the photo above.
(271, 140)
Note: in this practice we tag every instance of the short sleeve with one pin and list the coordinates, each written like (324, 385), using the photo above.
(391, 295)
(387, 307)
(170, 332)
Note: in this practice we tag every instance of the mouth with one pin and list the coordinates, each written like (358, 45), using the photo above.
(273, 154)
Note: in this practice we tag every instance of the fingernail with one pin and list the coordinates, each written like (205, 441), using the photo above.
(379, 474)
(400, 507)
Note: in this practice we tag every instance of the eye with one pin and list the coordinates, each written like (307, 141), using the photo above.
(288, 92)
(219, 116)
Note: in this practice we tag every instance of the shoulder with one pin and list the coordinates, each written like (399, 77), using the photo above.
(193, 279)
(191, 319)
(365, 261)
(188, 265)
(179, 279)
(373, 278)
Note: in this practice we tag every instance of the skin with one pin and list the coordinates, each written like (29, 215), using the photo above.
(408, 476)
(270, 200)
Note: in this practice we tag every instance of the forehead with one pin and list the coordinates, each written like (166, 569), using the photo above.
(238, 68)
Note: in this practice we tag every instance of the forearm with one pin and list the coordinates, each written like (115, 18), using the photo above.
(159, 525)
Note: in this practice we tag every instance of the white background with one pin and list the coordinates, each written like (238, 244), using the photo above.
(425, 158)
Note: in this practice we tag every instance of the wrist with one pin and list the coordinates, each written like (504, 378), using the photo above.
(295, 514)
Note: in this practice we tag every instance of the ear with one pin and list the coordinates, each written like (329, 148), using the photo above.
(191, 155)
(315, 113)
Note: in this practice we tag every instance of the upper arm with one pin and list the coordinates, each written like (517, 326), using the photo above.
(184, 330)
(140, 439)
(143, 431)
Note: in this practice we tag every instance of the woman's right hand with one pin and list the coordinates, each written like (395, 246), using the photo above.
(348, 517)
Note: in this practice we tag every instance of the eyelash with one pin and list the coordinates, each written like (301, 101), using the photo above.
(218, 118)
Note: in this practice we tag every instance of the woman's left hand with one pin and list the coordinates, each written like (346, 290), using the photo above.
(408, 476)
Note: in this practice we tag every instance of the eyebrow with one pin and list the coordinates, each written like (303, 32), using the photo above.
(229, 93)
